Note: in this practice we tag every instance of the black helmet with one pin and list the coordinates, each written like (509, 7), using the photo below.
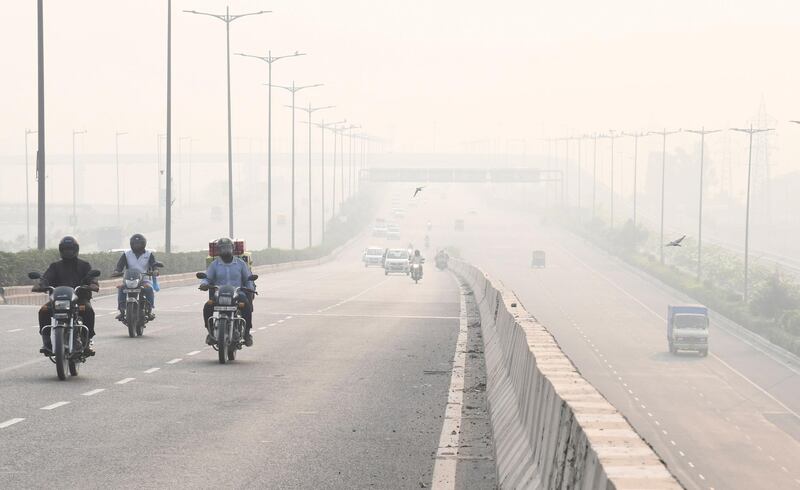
(225, 248)
(68, 248)
(416, 253)
(138, 243)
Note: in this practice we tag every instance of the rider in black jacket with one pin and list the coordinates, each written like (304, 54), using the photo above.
(69, 271)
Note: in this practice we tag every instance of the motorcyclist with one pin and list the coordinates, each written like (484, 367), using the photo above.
(227, 270)
(417, 259)
(73, 272)
(141, 260)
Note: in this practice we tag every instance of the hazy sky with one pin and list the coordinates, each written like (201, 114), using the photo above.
(465, 69)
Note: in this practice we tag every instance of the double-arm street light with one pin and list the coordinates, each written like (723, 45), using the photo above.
(750, 131)
(702, 132)
(293, 89)
(116, 153)
(323, 126)
(74, 181)
(227, 19)
(310, 111)
(269, 60)
(663, 135)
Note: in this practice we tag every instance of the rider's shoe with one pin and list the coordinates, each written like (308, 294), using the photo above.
(120, 316)
(151, 316)
(89, 350)
(210, 340)
(248, 340)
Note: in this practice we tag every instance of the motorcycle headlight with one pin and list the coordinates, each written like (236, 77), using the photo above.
(131, 283)
(225, 300)
(62, 304)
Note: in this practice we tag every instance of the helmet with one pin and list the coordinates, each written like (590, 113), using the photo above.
(138, 243)
(68, 248)
(416, 253)
(225, 248)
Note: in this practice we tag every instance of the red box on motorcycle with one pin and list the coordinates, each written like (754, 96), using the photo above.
(238, 248)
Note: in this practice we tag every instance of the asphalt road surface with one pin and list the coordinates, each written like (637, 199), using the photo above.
(345, 387)
(728, 421)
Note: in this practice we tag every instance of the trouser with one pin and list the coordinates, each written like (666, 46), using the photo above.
(247, 311)
(148, 292)
(46, 315)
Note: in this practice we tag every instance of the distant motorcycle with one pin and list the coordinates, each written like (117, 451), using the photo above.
(226, 325)
(137, 308)
(69, 337)
(416, 272)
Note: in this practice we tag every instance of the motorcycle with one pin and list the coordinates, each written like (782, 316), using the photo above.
(137, 309)
(226, 324)
(441, 262)
(416, 272)
(69, 337)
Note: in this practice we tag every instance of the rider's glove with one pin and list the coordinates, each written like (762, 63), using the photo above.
(203, 287)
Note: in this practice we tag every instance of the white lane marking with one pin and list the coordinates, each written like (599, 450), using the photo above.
(657, 315)
(701, 476)
(10, 422)
(54, 406)
(193, 353)
(673, 443)
(123, 381)
(272, 324)
(174, 361)
(351, 298)
(280, 321)
(681, 453)
(367, 315)
(151, 370)
(691, 464)
(262, 328)
(289, 317)
(94, 392)
(15, 330)
(444, 467)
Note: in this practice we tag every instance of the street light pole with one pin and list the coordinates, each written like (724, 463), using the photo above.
(168, 194)
(702, 132)
(349, 130)
(293, 89)
(594, 177)
(750, 132)
(635, 137)
(74, 182)
(612, 136)
(116, 152)
(310, 110)
(663, 135)
(323, 126)
(227, 19)
(40, 153)
(27, 193)
(269, 59)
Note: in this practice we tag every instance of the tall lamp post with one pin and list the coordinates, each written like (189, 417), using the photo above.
(349, 129)
(663, 135)
(293, 89)
(611, 136)
(594, 176)
(74, 181)
(40, 153)
(227, 19)
(323, 126)
(269, 59)
(27, 193)
(116, 153)
(635, 137)
(702, 132)
(750, 131)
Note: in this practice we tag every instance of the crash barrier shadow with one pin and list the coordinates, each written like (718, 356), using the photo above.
(551, 427)
(22, 295)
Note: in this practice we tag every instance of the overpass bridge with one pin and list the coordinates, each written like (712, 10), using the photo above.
(461, 174)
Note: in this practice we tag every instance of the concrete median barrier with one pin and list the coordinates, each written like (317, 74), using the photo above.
(552, 428)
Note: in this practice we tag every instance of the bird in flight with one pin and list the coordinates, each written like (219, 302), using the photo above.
(417, 191)
(676, 243)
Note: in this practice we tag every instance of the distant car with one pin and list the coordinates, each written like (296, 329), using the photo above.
(396, 262)
(538, 259)
(459, 225)
(373, 256)
(379, 230)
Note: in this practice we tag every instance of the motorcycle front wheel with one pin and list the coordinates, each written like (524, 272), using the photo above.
(60, 354)
(131, 318)
(222, 350)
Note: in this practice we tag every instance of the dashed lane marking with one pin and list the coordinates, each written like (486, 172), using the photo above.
(151, 370)
(174, 361)
(193, 353)
(54, 406)
(351, 298)
(94, 392)
(15, 330)
(272, 324)
(10, 422)
(262, 328)
(123, 381)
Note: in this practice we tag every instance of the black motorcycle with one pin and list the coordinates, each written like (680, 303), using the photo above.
(137, 308)
(69, 337)
(416, 272)
(226, 324)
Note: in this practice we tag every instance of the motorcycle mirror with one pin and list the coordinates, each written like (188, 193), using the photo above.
(252, 277)
(158, 265)
(34, 275)
(94, 273)
(201, 275)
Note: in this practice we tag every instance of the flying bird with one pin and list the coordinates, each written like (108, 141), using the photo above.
(417, 191)
(676, 243)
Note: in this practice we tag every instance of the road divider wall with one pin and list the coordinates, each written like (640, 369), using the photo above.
(22, 295)
(552, 429)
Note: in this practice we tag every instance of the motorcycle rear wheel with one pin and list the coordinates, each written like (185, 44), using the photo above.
(60, 354)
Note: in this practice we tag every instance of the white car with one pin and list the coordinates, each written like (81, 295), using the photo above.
(373, 256)
(396, 262)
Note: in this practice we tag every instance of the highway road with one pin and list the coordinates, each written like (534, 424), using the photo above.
(345, 387)
(726, 421)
